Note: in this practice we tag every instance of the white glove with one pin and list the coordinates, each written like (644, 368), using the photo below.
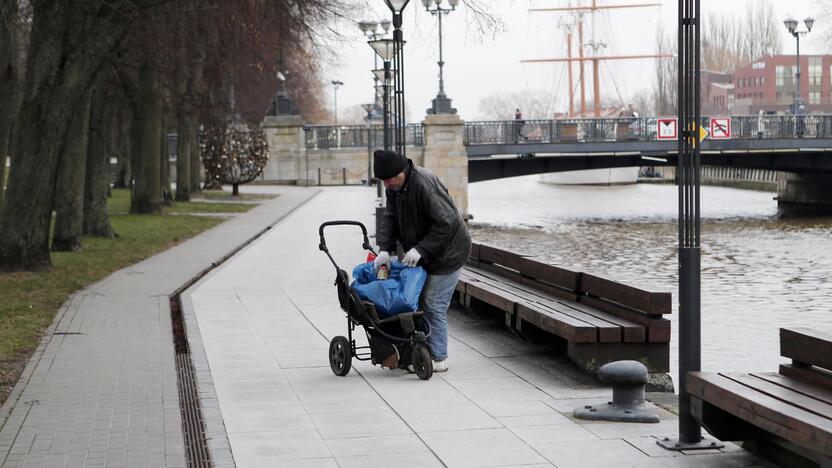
(383, 258)
(412, 257)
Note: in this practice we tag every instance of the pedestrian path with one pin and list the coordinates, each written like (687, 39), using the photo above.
(101, 389)
(264, 320)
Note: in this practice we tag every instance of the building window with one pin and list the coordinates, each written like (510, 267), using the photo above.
(815, 72)
(814, 97)
(785, 76)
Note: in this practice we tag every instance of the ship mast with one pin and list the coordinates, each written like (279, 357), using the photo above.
(595, 58)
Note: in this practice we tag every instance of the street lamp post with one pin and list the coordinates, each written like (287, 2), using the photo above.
(441, 103)
(335, 85)
(385, 48)
(397, 7)
(374, 31)
(368, 121)
(797, 106)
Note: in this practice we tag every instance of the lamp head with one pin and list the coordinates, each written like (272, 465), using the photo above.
(426, 3)
(366, 27)
(396, 6)
(809, 22)
(454, 3)
(385, 26)
(384, 48)
(791, 24)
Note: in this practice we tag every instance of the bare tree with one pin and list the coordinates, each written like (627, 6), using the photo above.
(761, 35)
(533, 105)
(666, 89)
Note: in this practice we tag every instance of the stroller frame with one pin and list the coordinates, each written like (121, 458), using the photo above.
(359, 312)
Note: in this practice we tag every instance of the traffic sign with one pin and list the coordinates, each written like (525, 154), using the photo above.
(700, 132)
(721, 128)
(668, 129)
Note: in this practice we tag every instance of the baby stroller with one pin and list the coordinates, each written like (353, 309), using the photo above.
(393, 341)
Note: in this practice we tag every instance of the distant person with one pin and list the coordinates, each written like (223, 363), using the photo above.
(801, 120)
(421, 216)
(761, 126)
(518, 125)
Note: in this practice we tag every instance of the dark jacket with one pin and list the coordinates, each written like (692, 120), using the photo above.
(422, 215)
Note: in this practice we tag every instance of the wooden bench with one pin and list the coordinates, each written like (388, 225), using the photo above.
(786, 413)
(600, 320)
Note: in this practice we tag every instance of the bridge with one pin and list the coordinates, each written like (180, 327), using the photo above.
(498, 149)
(795, 145)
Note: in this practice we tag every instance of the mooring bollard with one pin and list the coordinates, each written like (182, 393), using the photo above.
(627, 379)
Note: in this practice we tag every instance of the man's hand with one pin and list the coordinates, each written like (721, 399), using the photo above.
(412, 257)
(383, 258)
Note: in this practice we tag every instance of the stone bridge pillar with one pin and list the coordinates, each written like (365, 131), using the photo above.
(804, 193)
(444, 155)
(287, 149)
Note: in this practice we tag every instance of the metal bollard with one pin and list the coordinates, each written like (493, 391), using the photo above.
(627, 379)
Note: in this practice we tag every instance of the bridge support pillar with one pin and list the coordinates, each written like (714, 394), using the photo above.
(287, 149)
(444, 154)
(804, 193)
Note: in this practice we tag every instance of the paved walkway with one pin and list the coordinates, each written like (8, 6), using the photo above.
(264, 321)
(101, 389)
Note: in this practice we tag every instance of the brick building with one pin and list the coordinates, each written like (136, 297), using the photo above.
(769, 85)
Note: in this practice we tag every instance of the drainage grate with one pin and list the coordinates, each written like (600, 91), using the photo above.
(193, 424)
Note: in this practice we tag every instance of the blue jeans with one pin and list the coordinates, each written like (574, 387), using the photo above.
(436, 297)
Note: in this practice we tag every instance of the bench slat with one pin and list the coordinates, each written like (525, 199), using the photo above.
(808, 375)
(501, 257)
(807, 346)
(658, 329)
(650, 302)
(608, 327)
(820, 394)
(784, 394)
(800, 427)
(490, 295)
(632, 332)
(607, 332)
(565, 326)
(499, 273)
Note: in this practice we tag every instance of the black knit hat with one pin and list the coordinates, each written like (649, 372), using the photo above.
(387, 164)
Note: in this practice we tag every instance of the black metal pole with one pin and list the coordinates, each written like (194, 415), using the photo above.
(688, 169)
(399, 84)
(385, 106)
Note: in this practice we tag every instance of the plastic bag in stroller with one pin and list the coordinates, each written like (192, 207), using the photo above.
(395, 341)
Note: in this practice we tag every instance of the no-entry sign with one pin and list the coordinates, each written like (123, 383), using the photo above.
(720, 128)
(668, 129)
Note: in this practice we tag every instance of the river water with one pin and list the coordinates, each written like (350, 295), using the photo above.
(760, 272)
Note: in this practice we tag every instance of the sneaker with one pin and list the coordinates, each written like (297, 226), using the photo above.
(440, 366)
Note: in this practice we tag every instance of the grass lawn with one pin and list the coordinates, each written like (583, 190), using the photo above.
(31, 300)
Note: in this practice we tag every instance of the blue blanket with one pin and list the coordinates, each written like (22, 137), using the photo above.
(395, 295)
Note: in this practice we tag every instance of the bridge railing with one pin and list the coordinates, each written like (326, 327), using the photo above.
(637, 129)
(355, 136)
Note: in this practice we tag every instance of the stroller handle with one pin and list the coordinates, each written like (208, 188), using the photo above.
(322, 245)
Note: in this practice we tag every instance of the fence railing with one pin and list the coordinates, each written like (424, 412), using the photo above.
(637, 129)
(356, 136)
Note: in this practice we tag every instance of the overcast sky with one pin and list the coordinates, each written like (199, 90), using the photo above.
(478, 66)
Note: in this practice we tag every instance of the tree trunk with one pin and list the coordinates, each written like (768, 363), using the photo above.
(147, 133)
(183, 156)
(97, 185)
(123, 148)
(8, 82)
(196, 157)
(235, 189)
(69, 190)
(69, 40)
(164, 164)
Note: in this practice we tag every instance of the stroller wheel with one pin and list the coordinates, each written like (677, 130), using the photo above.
(340, 356)
(421, 362)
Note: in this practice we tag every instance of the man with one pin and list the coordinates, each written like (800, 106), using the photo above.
(421, 216)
